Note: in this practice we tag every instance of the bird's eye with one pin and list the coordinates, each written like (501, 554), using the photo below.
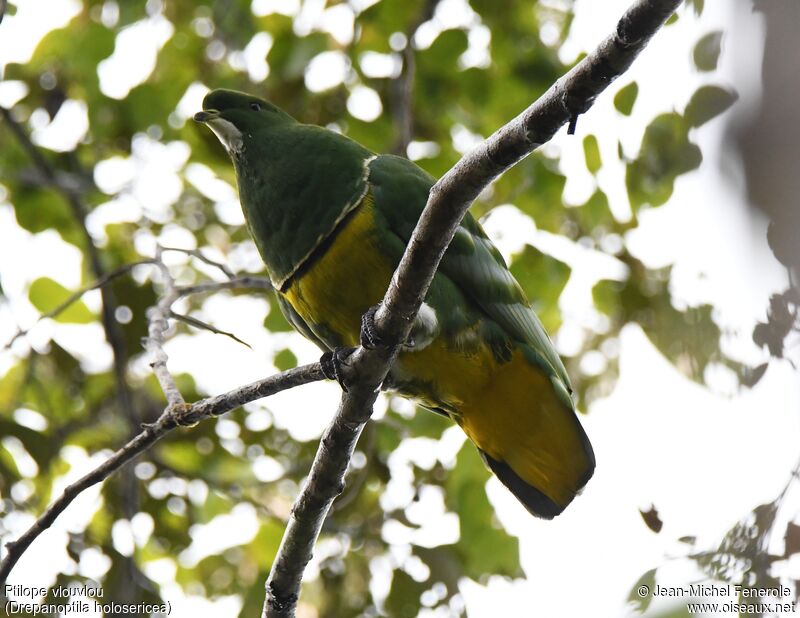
(256, 107)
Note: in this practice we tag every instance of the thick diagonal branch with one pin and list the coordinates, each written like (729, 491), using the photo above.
(447, 203)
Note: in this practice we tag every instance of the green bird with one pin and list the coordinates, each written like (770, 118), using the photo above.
(331, 220)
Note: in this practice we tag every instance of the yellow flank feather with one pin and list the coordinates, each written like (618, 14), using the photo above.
(510, 410)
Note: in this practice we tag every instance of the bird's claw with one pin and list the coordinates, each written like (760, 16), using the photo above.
(368, 336)
(332, 363)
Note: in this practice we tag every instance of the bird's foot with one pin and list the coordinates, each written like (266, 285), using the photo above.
(332, 364)
(368, 336)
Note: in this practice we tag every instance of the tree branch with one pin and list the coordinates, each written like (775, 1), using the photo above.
(109, 304)
(403, 85)
(196, 253)
(191, 321)
(262, 283)
(55, 312)
(177, 412)
(173, 416)
(113, 332)
(448, 201)
(158, 319)
(452, 195)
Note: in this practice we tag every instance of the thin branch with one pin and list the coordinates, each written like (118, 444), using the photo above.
(248, 281)
(3, 6)
(261, 283)
(172, 417)
(73, 298)
(111, 328)
(177, 412)
(158, 318)
(448, 201)
(403, 85)
(79, 211)
(206, 326)
(196, 253)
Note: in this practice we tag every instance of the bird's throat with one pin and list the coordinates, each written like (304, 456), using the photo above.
(228, 134)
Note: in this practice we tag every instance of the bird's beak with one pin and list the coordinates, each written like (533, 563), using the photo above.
(206, 115)
(225, 130)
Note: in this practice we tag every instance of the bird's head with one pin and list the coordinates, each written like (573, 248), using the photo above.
(236, 117)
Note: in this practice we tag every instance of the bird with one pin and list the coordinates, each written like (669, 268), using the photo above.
(331, 220)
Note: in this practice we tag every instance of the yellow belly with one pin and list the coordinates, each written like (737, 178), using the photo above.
(508, 410)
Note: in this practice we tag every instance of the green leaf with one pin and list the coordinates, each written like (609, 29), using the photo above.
(689, 339)
(10, 385)
(425, 423)
(403, 599)
(591, 150)
(535, 186)
(665, 154)
(275, 322)
(265, 546)
(484, 547)
(447, 47)
(543, 278)
(594, 214)
(626, 97)
(285, 359)
(38, 210)
(46, 294)
(706, 51)
(642, 592)
(707, 103)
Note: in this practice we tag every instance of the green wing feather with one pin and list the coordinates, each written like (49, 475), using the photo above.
(400, 190)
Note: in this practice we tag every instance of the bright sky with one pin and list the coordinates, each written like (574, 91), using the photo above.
(703, 457)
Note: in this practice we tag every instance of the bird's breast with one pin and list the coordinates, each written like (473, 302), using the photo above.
(348, 276)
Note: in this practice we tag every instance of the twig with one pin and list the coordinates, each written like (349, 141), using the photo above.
(403, 86)
(195, 253)
(262, 283)
(181, 291)
(158, 318)
(206, 326)
(79, 212)
(171, 418)
(98, 283)
(448, 201)
(3, 5)
(111, 328)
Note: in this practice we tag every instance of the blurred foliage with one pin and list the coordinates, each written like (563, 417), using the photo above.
(706, 51)
(744, 558)
(746, 555)
(51, 401)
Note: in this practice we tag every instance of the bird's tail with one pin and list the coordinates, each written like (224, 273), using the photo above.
(530, 437)
(535, 500)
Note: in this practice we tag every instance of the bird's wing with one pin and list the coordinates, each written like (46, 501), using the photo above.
(400, 190)
(299, 323)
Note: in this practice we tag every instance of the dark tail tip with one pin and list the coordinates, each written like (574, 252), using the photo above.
(535, 501)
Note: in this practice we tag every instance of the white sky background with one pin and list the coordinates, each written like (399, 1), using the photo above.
(704, 457)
